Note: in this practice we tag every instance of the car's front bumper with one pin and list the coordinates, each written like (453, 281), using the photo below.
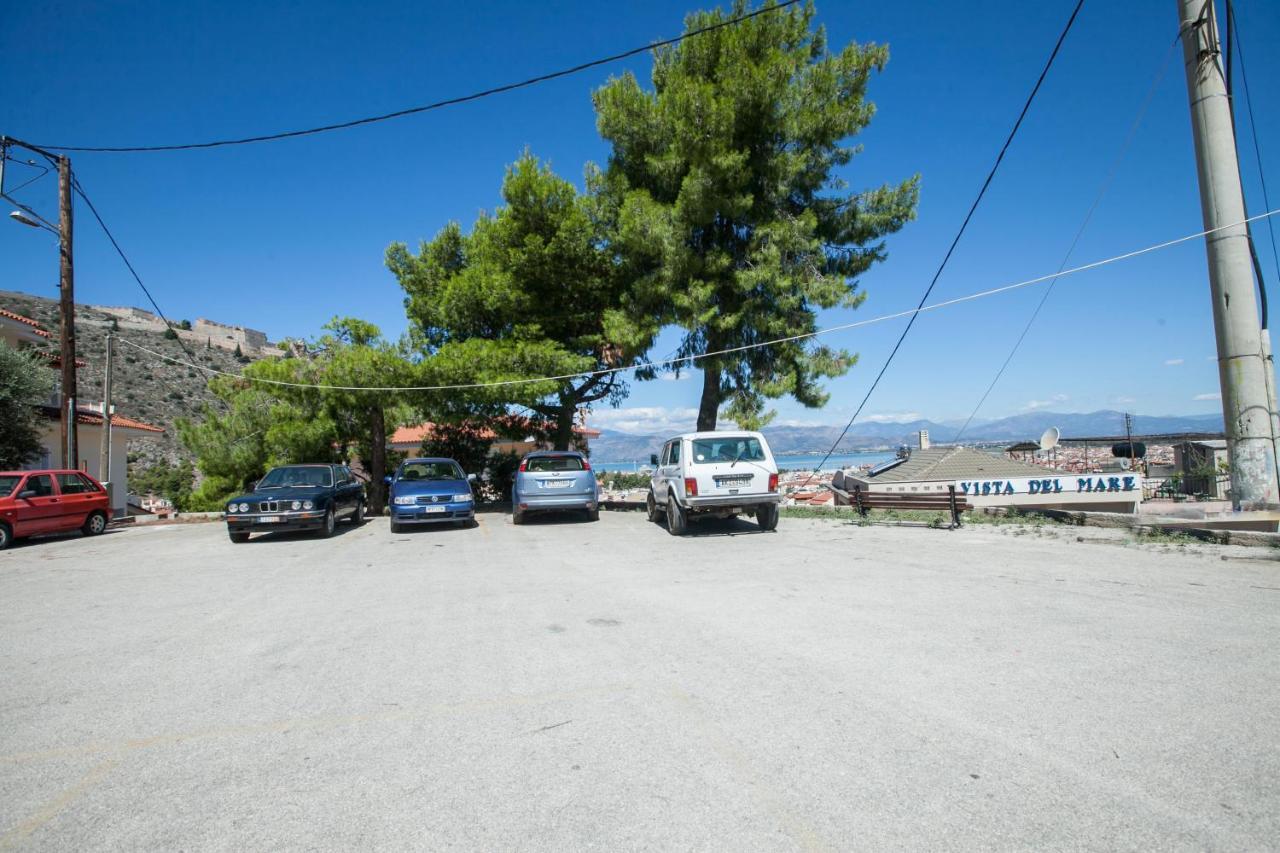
(253, 522)
(432, 513)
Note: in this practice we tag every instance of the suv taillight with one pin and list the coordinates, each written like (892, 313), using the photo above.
(690, 487)
(773, 482)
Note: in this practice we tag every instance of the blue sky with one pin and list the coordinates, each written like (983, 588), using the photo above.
(282, 236)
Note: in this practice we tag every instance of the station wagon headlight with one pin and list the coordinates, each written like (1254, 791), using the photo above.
(307, 505)
(296, 505)
(462, 499)
(405, 500)
(244, 507)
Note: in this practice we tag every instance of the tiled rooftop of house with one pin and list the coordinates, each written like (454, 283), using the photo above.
(953, 463)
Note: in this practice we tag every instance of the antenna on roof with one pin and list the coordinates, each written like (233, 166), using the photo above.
(1049, 440)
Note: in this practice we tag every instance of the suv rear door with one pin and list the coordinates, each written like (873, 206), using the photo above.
(730, 465)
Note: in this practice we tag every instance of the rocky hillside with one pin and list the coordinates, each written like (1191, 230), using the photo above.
(145, 387)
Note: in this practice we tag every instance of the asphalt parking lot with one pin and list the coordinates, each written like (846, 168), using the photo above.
(571, 685)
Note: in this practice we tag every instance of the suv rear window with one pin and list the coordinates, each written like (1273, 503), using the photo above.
(732, 447)
(555, 463)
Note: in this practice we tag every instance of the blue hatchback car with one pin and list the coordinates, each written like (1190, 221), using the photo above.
(430, 491)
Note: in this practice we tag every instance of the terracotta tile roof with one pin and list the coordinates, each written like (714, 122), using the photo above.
(952, 463)
(55, 358)
(415, 434)
(89, 417)
(32, 323)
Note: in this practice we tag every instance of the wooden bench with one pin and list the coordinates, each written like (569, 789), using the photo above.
(864, 500)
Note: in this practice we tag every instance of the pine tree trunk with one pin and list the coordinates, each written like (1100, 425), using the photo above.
(709, 407)
(563, 437)
(377, 461)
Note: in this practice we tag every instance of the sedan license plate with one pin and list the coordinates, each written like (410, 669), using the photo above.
(432, 509)
(268, 519)
(556, 484)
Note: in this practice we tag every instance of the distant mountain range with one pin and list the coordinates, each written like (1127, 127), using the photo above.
(614, 446)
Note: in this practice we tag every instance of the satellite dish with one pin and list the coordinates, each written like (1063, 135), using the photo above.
(1126, 464)
(1049, 440)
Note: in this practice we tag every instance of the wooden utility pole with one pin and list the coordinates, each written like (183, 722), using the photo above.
(1242, 360)
(66, 290)
(104, 457)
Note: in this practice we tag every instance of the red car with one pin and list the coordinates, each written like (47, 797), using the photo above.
(34, 502)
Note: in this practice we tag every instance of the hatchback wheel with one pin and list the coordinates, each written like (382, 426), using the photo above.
(94, 524)
(676, 521)
(6, 536)
(593, 514)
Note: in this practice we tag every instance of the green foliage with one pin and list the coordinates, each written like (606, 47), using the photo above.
(185, 325)
(169, 481)
(466, 443)
(727, 205)
(25, 382)
(500, 475)
(618, 481)
(170, 334)
(536, 289)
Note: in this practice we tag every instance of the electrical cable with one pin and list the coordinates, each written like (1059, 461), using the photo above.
(964, 225)
(1233, 36)
(462, 99)
(1102, 191)
(688, 359)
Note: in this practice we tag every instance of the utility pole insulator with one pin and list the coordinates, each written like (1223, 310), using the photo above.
(1242, 359)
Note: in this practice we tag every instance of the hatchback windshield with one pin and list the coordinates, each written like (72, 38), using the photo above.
(297, 475)
(419, 470)
(9, 482)
(730, 448)
(555, 463)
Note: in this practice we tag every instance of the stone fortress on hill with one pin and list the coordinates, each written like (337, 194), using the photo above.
(251, 342)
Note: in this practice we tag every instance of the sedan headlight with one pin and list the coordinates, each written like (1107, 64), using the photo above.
(231, 508)
(296, 505)
(244, 507)
(405, 500)
(462, 499)
(308, 505)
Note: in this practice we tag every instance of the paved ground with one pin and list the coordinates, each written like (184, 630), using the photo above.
(578, 685)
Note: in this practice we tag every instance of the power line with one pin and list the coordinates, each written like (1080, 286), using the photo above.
(449, 102)
(964, 225)
(688, 359)
(1102, 191)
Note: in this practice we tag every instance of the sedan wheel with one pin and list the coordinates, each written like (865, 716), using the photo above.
(6, 538)
(238, 536)
(357, 517)
(676, 522)
(327, 530)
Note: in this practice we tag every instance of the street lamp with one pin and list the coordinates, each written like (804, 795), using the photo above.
(27, 219)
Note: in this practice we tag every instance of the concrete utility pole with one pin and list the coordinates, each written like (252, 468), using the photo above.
(104, 457)
(66, 289)
(1242, 362)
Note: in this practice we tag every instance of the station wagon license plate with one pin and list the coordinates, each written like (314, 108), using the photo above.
(556, 484)
(268, 519)
(432, 509)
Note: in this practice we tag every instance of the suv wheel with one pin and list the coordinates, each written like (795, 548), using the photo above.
(676, 521)
(767, 517)
(651, 507)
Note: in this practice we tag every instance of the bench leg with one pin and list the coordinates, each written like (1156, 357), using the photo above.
(955, 511)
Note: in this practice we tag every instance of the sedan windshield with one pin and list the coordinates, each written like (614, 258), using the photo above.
(438, 470)
(297, 475)
(731, 448)
(9, 482)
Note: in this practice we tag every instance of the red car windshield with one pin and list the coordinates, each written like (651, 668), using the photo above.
(9, 482)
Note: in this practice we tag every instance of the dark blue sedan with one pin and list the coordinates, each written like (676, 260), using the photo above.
(431, 491)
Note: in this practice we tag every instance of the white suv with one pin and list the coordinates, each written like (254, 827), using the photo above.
(715, 475)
